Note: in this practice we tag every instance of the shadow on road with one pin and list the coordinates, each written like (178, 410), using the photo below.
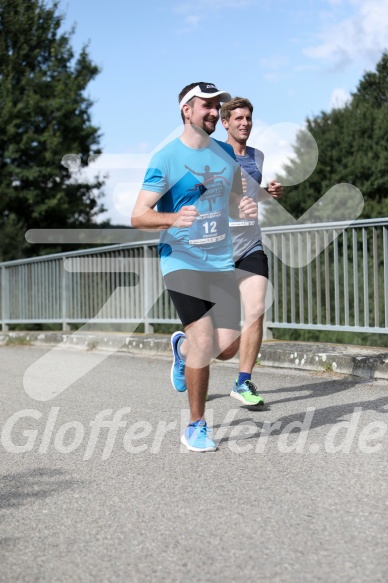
(322, 415)
(19, 488)
(314, 390)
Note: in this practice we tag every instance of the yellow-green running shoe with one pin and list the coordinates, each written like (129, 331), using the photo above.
(247, 394)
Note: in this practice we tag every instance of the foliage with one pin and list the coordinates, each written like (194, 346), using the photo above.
(353, 146)
(44, 114)
(352, 338)
(18, 340)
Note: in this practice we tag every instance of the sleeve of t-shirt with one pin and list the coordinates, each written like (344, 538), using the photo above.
(155, 176)
(259, 159)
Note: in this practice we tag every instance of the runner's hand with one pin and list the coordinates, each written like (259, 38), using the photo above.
(247, 208)
(185, 217)
(275, 189)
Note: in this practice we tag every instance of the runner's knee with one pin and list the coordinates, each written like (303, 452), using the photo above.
(256, 313)
(229, 351)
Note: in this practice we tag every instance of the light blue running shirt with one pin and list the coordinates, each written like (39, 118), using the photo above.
(204, 178)
(246, 234)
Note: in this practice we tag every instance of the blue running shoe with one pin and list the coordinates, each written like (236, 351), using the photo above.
(196, 437)
(178, 366)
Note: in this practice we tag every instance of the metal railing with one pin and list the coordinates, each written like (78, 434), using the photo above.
(340, 281)
(325, 277)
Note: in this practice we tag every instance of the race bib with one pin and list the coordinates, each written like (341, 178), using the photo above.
(242, 223)
(209, 228)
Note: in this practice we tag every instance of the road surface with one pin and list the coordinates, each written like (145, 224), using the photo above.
(95, 486)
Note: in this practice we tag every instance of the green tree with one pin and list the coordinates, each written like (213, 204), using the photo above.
(44, 114)
(353, 146)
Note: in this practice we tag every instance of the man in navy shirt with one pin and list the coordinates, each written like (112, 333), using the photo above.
(250, 260)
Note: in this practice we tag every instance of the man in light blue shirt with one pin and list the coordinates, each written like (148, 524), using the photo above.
(195, 183)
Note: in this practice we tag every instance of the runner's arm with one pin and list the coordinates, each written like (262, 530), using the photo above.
(145, 217)
(240, 206)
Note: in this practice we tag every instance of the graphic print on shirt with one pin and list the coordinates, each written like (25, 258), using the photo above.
(211, 226)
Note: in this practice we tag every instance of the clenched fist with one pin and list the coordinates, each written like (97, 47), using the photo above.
(275, 189)
(185, 217)
(247, 208)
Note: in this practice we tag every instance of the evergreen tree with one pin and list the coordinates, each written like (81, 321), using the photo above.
(353, 146)
(44, 114)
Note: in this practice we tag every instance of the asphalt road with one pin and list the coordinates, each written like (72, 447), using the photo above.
(95, 486)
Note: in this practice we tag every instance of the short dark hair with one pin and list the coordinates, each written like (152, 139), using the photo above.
(184, 92)
(235, 103)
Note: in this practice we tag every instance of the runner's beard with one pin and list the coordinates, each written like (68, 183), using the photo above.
(205, 129)
(208, 130)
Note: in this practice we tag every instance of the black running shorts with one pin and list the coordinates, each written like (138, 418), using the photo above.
(256, 263)
(194, 293)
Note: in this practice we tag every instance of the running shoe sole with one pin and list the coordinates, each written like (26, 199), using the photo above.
(240, 398)
(173, 362)
(191, 448)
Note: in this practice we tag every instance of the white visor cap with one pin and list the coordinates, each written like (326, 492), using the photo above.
(206, 91)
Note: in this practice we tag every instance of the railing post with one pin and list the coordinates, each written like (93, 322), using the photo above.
(4, 298)
(267, 332)
(147, 288)
(65, 296)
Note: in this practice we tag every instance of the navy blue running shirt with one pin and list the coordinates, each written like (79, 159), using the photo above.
(246, 234)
